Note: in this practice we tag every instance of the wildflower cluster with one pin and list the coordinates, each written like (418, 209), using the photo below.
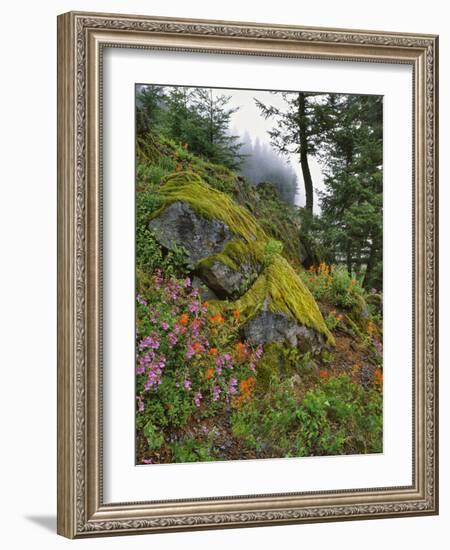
(333, 284)
(188, 356)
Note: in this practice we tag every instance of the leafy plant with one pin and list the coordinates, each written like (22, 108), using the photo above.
(190, 358)
(273, 247)
(154, 437)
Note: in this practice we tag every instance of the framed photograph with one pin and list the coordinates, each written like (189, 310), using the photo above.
(247, 282)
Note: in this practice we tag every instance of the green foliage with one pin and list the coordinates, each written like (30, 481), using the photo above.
(345, 290)
(331, 321)
(191, 449)
(155, 438)
(149, 112)
(336, 417)
(271, 249)
(334, 285)
(352, 204)
(198, 118)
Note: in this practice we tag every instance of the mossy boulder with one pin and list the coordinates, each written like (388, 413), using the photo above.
(360, 313)
(223, 242)
(224, 280)
(179, 225)
(233, 256)
(278, 307)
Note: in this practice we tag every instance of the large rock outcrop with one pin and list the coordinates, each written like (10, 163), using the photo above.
(179, 225)
(233, 257)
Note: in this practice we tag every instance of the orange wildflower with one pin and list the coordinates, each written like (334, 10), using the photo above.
(205, 304)
(324, 374)
(324, 268)
(184, 319)
(209, 373)
(246, 386)
(236, 314)
(217, 319)
(197, 347)
(377, 377)
(213, 351)
(372, 328)
(241, 351)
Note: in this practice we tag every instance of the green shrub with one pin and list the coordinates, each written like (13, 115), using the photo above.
(336, 417)
(190, 449)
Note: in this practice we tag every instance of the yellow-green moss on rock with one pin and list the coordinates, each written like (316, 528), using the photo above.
(243, 254)
(190, 188)
(280, 290)
(276, 286)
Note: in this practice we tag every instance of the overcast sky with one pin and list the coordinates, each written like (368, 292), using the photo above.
(248, 118)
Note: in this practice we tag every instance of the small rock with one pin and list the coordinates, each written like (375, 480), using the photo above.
(366, 375)
(205, 292)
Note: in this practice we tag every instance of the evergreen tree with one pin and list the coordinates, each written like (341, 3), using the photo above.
(295, 132)
(150, 102)
(219, 145)
(351, 156)
(195, 117)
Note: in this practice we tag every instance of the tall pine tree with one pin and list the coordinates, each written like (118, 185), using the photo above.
(352, 203)
(295, 132)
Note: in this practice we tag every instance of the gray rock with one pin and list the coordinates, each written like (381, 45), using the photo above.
(267, 326)
(179, 225)
(225, 281)
(366, 375)
(205, 292)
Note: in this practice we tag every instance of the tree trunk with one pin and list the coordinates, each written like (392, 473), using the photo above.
(370, 264)
(349, 260)
(307, 179)
(211, 118)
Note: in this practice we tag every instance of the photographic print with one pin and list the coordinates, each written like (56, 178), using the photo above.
(226, 297)
(258, 274)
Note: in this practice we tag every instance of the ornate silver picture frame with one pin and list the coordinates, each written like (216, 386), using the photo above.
(82, 40)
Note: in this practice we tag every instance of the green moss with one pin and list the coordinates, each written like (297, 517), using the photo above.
(235, 253)
(188, 187)
(286, 293)
(250, 242)
(278, 282)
